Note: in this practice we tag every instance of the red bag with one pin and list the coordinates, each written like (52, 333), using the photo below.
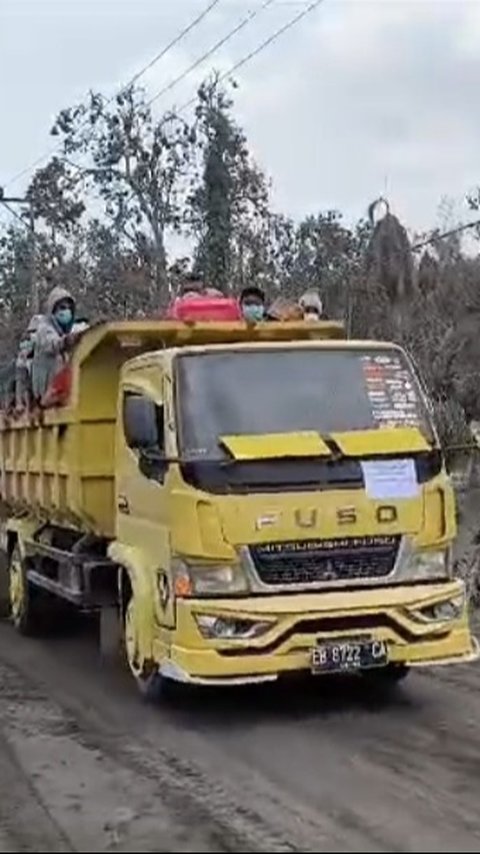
(58, 391)
(197, 309)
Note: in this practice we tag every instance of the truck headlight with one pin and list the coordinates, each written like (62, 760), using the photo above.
(441, 612)
(231, 628)
(200, 579)
(424, 565)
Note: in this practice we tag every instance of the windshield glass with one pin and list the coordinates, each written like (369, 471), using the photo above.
(284, 390)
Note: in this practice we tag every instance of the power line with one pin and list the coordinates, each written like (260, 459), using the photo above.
(295, 20)
(13, 212)
(243, 23)
(178, 38)
(266, 43)
(251, 55)
(436, 237)
(169, 47)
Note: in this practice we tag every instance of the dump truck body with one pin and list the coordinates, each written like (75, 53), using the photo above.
(249, 501)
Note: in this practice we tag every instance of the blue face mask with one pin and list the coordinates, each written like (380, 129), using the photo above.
(254, 313)
(64, 317)
(26, 347)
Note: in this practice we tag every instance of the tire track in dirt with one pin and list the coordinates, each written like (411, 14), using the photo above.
(70, 732)
(25, 823)
(278, 770)
(96, 789)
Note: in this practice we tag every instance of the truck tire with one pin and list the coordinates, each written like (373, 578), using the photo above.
(26, 601)
(110, 635)
(4, 587)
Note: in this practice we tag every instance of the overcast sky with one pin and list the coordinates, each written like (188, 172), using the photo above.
(361, 97)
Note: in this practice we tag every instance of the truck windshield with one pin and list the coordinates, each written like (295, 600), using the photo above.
(285, 390)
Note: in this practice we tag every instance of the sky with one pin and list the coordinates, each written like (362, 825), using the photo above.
(360, 98)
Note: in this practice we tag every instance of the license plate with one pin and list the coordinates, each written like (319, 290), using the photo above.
(348, 656)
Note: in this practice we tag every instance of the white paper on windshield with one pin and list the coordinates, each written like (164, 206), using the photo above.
(390, 479)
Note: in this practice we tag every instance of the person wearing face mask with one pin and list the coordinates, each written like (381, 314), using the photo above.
(252, 304)
(55, 338)
(311, 305)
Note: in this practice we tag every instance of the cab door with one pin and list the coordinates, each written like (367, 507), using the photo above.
(142, 491)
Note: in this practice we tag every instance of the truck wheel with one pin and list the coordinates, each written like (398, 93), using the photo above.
(25, 600)
(5, 610)
(110, 635)
(149, 681)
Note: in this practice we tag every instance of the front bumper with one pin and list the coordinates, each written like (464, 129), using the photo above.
(300, 621)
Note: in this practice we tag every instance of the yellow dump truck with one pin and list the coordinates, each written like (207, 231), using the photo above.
(245, 502)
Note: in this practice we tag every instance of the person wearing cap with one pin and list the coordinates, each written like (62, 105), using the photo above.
(311, 305)
(252, 304)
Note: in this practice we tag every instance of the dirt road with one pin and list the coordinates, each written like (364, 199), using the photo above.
(85, 766)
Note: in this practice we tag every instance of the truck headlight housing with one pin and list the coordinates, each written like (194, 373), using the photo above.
(424, 565)
(192, 578)
(213, 626)
(444, 611)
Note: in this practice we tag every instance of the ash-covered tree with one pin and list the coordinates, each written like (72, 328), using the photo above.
(138, 164)
(56, 198)
(17, 290)
(118, 277)
(229, 205)
(328, 258)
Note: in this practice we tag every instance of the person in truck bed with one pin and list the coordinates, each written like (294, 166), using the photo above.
(195, 287)
(55, 338)
(252, 303)
(192, 286)
(312, 306)
(283, 309)
(23, 365)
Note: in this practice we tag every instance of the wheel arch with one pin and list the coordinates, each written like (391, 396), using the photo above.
(134, 580)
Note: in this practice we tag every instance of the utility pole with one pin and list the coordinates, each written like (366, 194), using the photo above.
(6, 201)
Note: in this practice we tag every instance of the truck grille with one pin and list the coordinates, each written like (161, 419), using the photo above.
(316, 561)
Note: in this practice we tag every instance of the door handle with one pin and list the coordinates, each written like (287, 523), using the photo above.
(123, 505)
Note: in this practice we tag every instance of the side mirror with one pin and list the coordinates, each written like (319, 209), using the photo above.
(140, 422)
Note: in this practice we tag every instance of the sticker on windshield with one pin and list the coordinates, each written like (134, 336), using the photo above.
(390, 390)
(390, 479)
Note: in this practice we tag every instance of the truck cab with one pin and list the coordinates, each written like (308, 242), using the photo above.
(289, 505)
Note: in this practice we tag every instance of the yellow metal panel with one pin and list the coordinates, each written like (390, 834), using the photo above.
(258, 518)
(409, 641)
(385, 440)
(257, 447)
(142, 335)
